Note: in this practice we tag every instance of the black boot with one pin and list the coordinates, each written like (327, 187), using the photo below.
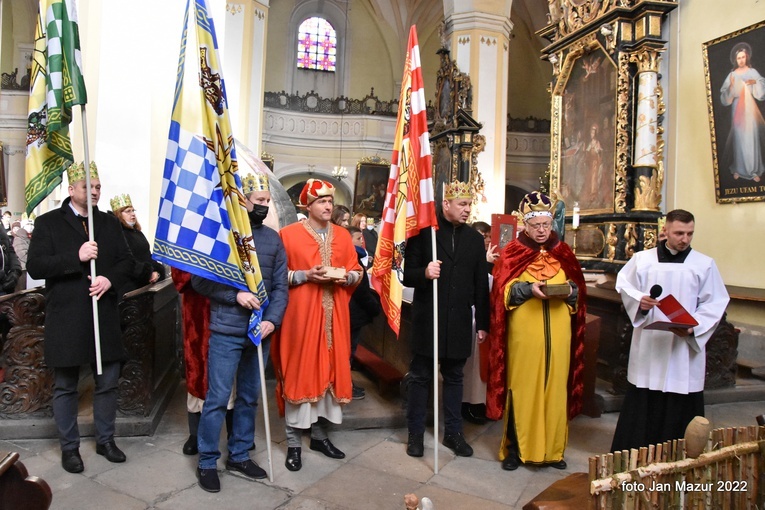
(229, 423)
(190, 446)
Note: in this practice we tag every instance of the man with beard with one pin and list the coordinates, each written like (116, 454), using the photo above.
(462, 282)
(536, 342)
(231, 354)
(666, 369)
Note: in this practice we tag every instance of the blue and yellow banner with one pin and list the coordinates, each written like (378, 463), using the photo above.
(203, 227)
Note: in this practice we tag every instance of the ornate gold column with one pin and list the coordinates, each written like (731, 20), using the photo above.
(649, 141)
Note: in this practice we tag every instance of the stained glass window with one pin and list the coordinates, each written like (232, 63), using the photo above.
(317, 45)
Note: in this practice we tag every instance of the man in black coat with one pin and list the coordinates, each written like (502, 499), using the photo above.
(462, 283)
(60, 252)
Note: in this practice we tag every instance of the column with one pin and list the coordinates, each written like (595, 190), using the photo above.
(479, 41)
(648, 142)
(244, 64)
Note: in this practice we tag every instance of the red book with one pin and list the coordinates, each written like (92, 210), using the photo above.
(677, 315)
(504, 228)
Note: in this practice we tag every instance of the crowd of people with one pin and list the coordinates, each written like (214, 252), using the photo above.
(511, 325)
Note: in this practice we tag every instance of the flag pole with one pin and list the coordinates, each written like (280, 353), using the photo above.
(91, 238)
(435, 353)
(266, 419)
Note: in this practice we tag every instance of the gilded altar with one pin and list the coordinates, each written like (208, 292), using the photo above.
(607, 134)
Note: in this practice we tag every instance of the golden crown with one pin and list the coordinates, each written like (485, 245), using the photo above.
(254, 182)
(536, 204)
(457, 189)
(76, 172)
(120, 202)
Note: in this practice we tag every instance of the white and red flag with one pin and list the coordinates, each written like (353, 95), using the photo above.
(409, 205)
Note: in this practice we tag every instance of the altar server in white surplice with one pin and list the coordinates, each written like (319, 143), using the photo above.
(666, 368)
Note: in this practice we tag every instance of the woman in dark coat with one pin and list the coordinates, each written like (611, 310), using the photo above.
(145, 270)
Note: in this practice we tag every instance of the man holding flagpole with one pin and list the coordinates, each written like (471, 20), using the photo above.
(463, 283)
(232, 357)
(60, 253)
(203, 225)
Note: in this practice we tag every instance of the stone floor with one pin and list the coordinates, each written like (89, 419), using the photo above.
(376, 473)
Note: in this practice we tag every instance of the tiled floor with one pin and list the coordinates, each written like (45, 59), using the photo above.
(376, 473)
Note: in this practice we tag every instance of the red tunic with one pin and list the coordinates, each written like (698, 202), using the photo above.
(196, 333)
(311, 351)
(514, 259)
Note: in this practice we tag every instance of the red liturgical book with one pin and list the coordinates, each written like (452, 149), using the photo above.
(677, 315)
(504, 228)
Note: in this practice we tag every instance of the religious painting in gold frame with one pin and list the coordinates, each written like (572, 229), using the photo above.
(371, 185)
(734, 65)
(586, 112)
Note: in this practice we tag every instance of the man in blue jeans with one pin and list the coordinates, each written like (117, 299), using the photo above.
(232, 354)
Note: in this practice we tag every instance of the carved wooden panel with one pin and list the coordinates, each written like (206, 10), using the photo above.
(27, 387)
(722, 352)
(135, 384)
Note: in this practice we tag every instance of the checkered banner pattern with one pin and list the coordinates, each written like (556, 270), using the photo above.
(409, 205)
(203, 227)
(193, 225)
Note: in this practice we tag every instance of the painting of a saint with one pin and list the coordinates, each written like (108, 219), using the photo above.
(587, 160)
(736, 98)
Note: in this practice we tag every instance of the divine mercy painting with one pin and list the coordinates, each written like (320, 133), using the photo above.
(735, 94)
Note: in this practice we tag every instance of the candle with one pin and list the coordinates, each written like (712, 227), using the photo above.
(575, 218)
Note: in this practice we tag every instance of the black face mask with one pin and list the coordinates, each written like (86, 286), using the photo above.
(258, 213)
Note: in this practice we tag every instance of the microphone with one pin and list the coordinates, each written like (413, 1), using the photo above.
(656, 291)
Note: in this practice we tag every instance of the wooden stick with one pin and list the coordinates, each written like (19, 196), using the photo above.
(593, 475)
(609, 470)
(435, 353)
(266, 417)
(751, 465)
(614, 481)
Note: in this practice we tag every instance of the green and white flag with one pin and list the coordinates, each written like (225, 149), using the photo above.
(57, 84)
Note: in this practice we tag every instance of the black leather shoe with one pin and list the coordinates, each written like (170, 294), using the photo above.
(293, 462)
(511, 462)
(473, 414)
(358, 392)
(208, 479)
(561, 464)
(457, 444)
(248, 469)
(111, 452)
(190, 446)
(71, 461)
(415, 446)
(326, 447)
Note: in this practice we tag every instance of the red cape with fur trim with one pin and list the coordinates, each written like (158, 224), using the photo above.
(515, 258)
